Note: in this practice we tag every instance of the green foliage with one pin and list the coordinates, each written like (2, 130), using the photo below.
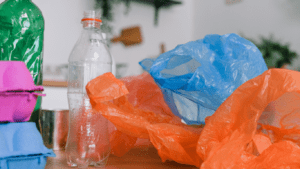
(106, 7)
(274, 52)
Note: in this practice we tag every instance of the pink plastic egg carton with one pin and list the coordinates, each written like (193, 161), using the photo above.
(17, 92)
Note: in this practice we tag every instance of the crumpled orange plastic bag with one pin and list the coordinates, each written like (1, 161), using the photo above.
(142, 113)
(247, 132)
(258, 126)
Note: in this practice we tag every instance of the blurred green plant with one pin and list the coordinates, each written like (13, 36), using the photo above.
(106, 7)
(275, 53)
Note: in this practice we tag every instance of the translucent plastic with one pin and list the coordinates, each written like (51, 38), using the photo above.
(88, 138)
(197, 77)
(257, 126)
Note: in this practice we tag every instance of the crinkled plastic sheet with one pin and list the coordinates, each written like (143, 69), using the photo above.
(257, 126)
(197, 77)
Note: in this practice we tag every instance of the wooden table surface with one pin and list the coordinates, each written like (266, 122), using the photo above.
(137, 158)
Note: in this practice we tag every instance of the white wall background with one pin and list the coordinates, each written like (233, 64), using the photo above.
(63, 27)
(176, 25)
(197, 18)
(253, 18)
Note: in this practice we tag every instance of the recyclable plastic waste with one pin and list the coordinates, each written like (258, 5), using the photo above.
(22, 35)
(22, 39)
(259, 123)
(14, 76)
(138, 111)
(197, 77)
(18, 94)
(143, 94)
(22, 146)
(257, 126)
(88, 137)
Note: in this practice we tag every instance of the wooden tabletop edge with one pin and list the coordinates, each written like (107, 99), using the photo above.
(55, 83)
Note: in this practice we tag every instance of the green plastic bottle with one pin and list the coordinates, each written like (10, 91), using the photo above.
(21, 39)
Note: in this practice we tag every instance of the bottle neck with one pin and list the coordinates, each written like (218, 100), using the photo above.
(91, 32)
(91, 24)
(21, 0)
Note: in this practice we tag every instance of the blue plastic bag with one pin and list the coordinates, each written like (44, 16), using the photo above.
(197, 77)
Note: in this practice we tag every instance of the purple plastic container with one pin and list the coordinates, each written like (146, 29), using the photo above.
(17, 97)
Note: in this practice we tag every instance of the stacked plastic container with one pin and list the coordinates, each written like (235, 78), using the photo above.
(21, 144)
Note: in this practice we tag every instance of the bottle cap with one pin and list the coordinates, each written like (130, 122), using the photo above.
(91, 16)
(91, 19)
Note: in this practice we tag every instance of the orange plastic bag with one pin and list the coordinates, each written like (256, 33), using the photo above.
(142, 113)
(256, 127)
(247, 132)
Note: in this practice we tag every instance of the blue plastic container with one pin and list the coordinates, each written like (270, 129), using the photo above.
(21, 147)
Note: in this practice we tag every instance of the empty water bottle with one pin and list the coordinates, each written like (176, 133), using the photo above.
(88, 138)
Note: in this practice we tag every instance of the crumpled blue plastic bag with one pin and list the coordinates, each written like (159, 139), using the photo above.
(197, 77)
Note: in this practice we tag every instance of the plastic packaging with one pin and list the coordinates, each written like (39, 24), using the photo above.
(22, 38)
(22, 35)
(17, 92)
(150, 99)
(17, 106)
(257, 126)
(22, 147)
(88, 138)
(113, 60)
(24, 162)
(143, 114)
(197, 77)
(14, 76)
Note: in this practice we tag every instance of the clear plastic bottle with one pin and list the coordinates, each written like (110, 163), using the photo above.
(113, 71)
(88, 138)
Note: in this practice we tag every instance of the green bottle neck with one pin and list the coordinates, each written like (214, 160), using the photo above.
(20, 0)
